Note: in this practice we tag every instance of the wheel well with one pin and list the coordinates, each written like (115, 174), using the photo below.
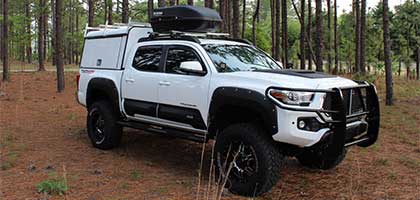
(102, 89)
(95, 95)
(230, 114)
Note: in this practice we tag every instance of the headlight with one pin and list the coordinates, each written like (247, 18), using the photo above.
(293, 97)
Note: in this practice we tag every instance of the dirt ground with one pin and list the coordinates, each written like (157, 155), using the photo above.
(43, 135)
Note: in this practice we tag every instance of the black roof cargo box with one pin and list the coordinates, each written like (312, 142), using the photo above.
(185, 18)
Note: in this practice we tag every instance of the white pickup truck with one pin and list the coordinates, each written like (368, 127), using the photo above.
(204, 86)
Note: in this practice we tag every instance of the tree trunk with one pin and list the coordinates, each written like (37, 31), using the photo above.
(302, 35)
(318, 40)
(150, 9)
(417, 50)
(399, 67)
(363, 38)
(387, 54)
(235, 20)
(118, 7)
(70, 43)
(285, 40)
(254, 23)
(357, 35)
(124, 12)
(273, 28)
(41, 30)
(53, 32)
(243, 18)
(209, 3)
(222, 12)
(91, 12)
(417, 63)
(59, 46)
(172, 2)
(229, 10)
(336, 66)
(278, 31)
(4, 42)
(105, 11)
(76, 52)
(161, 3)
(110, 4)
(301, 21)
(191, 2)
(329, 58)
(309, 30)
(28, 31)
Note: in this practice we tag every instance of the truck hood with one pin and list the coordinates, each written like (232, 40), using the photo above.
(291, 79)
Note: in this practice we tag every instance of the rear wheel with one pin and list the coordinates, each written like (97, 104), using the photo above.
(247, 159)
(103, 130)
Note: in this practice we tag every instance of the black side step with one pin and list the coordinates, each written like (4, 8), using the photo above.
(167, 131)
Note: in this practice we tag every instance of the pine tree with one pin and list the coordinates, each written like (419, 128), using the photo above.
(235, 19)
(4, 42)
(387, 54)
(124, 12)
(41, 33)
(59, 45)
(309, 34)
(302, 35)
(285, 40)
(91, 12)
(254, 22)
(363, 38)
(318, 39)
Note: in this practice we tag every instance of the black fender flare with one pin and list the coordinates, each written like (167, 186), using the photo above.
(244, 98)
(105, 87)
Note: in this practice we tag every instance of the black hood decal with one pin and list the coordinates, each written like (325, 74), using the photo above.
(300, 73)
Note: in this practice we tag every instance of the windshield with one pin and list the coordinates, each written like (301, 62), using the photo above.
(233, 58)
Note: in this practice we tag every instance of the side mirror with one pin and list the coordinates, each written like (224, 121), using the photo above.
(193, 67)
(289, 65)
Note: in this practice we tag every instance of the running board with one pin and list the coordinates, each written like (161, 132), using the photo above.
(167, 131)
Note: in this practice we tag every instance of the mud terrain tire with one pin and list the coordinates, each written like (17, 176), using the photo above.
(250, 139)
(102, 127)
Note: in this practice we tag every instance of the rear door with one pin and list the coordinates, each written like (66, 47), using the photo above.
(141, 80)
(183, 97)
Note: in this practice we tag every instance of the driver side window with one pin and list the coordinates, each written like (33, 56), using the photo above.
(177, 55)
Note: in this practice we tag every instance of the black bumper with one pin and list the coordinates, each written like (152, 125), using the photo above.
(347, 127)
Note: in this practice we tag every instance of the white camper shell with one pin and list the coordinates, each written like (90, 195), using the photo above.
(105, 46)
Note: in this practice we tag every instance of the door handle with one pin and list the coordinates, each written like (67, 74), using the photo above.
(129, 80)
(164, 83)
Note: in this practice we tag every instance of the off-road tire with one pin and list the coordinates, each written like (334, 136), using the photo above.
(111, 130)
(268, 156)
(316, 159)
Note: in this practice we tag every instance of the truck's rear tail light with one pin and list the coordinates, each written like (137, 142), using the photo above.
(77, 80)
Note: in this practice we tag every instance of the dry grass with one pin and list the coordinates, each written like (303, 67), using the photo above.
(44, 130)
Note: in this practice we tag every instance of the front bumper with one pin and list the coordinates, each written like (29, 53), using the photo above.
(342, 127)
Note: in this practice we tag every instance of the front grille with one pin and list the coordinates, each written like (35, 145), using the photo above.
(354, 101)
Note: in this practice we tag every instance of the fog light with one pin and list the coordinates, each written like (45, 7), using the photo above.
(302, 124)
(310, 124)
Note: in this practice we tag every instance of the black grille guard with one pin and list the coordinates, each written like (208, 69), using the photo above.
(338, 114)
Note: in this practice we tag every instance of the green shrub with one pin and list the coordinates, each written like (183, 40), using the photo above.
(53, 186)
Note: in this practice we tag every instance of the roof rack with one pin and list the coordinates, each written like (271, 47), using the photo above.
(188, 36)
(106, 26)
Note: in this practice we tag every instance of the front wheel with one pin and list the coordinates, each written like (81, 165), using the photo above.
(102, 127)
(247, 160)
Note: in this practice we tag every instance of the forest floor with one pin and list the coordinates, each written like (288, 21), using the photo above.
(43, 136)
